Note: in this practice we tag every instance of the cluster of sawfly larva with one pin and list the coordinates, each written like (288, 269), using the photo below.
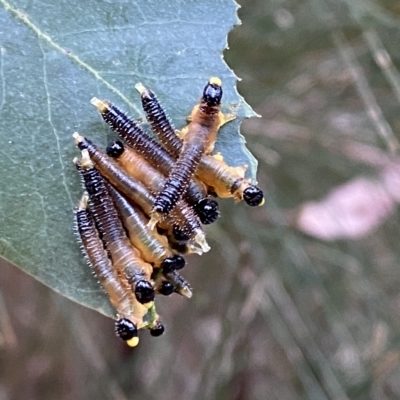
(145, 202)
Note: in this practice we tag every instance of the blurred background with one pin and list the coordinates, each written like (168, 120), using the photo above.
(298, 299)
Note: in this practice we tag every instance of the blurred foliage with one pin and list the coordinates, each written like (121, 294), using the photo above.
(285, 307)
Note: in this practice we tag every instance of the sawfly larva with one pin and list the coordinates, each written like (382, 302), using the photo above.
(224, 180)
(199, 139)
(125, 258)
(170, 281)
(159, 121)
(228, 181)
(140, 169)
(153, 247)
(131, 188)
(130, 312)
(156, 155)
(180, 284)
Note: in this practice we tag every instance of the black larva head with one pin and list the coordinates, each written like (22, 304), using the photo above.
(180, 234)
(171, 264)
(168, 265)
(207, 211)
(158, 330)
(179, 262)
(115, 149)
(253, 196)
(144, 292)
(167, 288)
(125, 329)
(212, 94)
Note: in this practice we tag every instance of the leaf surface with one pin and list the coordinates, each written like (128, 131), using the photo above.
(53, 59)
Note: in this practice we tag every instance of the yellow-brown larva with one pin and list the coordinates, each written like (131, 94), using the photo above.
(131, 188)
(125, 258)
(159, 121)
(157, 156)
(224, 180)
(153, 247)
(110, 169)
(130, 311)
(140, 169)
(228, 181)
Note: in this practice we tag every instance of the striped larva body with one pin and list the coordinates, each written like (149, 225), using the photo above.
(224, 180)
(136, 166)
(199, 139)
(159, 121)
(156, 155)
(140, 169)
(153, 247)
(119, 178)
(125, 258)
(228, 181)
(129, 310)
(132, 134)
(134, 190)
(175, 224)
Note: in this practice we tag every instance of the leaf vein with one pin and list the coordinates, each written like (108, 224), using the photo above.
(135, 27)
(3, 81)
(25, 19)
(49, 118)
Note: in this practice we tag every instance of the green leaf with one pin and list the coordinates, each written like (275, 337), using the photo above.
(53, 59)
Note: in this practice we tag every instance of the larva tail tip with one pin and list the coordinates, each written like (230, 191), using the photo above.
(151, 224)
(200, 239)
(140, 88)
(95, 101)
(83, 202)
(192, 248)
(101, 105)
(155, 218)
(196, 250)
(185, 292)
(77, 137)
(215, 81)
(86, 162)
